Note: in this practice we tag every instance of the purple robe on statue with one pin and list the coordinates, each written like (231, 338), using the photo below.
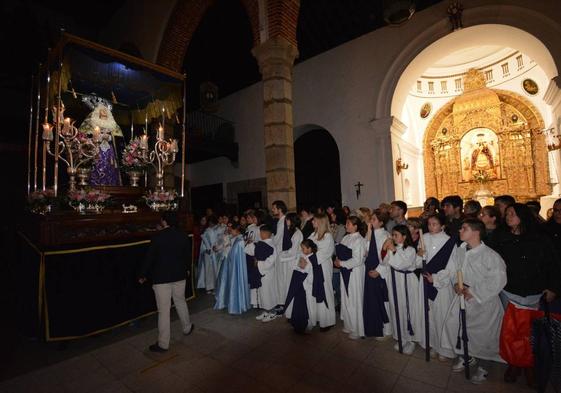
(105, 171)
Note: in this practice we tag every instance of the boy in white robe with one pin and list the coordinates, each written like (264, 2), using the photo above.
(266, 294)
(438, 248)
(281, 242)
(484, 276)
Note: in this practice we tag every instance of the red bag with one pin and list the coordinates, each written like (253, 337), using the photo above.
(515, 347)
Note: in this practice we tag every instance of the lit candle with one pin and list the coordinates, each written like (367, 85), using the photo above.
(144, 141)
(96, 135)
(47, 132)
(174, 146)
(161, 132)
(66, 127)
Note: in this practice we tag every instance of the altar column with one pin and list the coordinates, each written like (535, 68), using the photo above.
(276, 58)
(552, 97)
(383, 174)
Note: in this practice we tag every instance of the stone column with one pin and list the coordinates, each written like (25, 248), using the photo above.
(276, 58)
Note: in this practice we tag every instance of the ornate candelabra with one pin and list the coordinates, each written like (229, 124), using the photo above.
(162, 156)
(77, 148)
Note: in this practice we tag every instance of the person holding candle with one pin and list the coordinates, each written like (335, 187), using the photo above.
(484, 276)
(437, 248)
(403, 285)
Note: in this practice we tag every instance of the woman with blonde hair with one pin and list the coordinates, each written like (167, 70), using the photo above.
(324, 312)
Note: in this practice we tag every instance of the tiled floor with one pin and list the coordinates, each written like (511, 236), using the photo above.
(239, 354)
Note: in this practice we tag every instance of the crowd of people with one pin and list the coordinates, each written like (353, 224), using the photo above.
(378, 270)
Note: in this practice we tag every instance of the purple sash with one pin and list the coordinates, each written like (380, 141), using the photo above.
(262, 252)
(296, 292)
(286, 238)
(375, 294)
(344, 253)
(437, 263)
(318, 290)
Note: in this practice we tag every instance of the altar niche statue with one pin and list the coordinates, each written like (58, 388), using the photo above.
(479, 150)
(105, 169)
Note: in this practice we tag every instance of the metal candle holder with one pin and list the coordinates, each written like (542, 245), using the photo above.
(161, 156)
(77, 152)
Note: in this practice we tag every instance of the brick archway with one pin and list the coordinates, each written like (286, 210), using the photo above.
(183, 23)
(281, 19)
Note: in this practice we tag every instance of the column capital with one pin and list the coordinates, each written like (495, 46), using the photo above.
(276, 50)
(553, 92)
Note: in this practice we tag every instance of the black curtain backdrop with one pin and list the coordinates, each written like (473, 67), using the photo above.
(87, 292)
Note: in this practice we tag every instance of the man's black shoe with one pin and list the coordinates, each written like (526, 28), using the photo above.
(190, 330)
(157, 348)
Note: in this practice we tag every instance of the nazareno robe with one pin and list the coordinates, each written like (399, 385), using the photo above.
(207, 267)
(439, 249)
(296, 300)
(375, 294)
(287, 260)
(232, 289)
(265, 296)
(484, 271)
(352, 287)
(324, 312)
(406, 285)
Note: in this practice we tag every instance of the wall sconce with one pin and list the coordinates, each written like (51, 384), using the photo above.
(400, 166)
(357, 189)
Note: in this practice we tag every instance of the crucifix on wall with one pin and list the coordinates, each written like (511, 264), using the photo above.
(357, 189)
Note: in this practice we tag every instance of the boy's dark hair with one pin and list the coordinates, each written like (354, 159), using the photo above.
(237, 226)
(476, 225)
(505, 199)
(472, 207)
(405, 232)
(402, 205)
(266, 228)
(310, 244)
(454, 200)
(281, 206)
(170, 217)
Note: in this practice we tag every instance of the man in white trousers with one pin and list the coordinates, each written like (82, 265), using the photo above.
(166, 266)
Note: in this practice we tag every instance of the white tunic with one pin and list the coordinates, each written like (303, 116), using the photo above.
(352, 301)
(286, 262)
(280, 271)
(485, 273)
(381, 236)
(253, 233)
(439, 307)
(319, 312)
(267, 292)
(308, 287)
(404, 260)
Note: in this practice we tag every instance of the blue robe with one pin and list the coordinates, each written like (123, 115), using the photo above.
(375, 295)
(232, 288)
(297, 294)
(207, 268)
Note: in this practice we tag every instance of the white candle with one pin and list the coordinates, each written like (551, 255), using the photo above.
(66, 127)
(47, 132)
(174, 146)
(161, 133)
(96, 135)
(144, 141)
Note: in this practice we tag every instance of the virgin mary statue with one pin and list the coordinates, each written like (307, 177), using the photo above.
(105, 170)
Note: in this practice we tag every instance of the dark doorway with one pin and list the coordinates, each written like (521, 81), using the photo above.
(249, 200)
(207, 196)
(317, 172)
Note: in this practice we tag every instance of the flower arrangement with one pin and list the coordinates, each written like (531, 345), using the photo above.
(132, 156)
(88, 200)
(162, 200)
(481, 177)
(41, 201)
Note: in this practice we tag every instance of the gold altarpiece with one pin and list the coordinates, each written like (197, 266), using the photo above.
(486, 137)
